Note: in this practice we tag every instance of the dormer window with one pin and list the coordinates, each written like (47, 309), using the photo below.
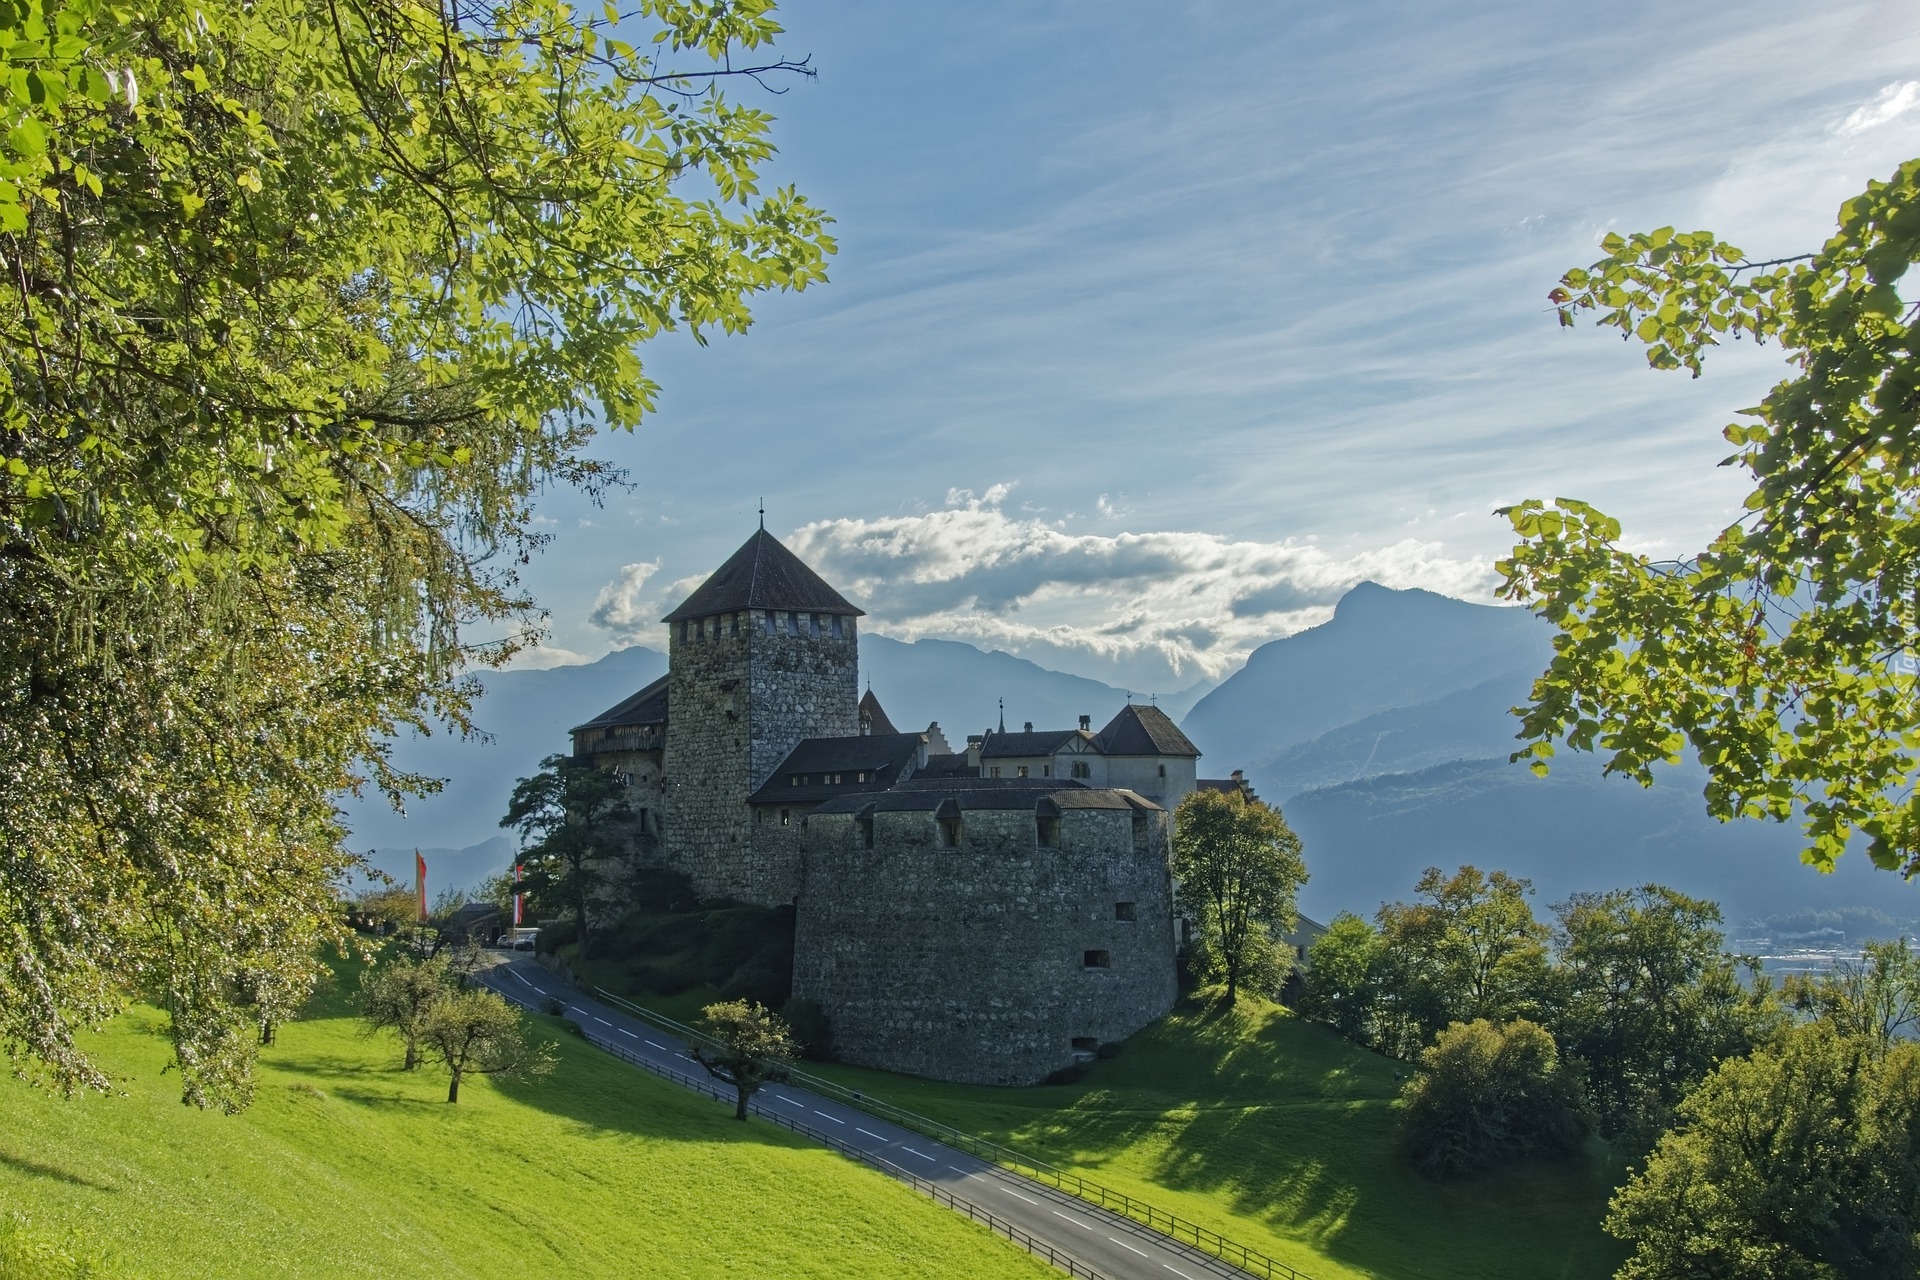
(1049, 832)
(950, 833)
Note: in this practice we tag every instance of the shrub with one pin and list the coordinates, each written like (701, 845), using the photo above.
(1490, 1092)
(809, 1024)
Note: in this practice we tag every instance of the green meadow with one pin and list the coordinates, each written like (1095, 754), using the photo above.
(346, 1166)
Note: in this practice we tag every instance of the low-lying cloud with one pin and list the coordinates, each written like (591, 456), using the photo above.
(1155, 610)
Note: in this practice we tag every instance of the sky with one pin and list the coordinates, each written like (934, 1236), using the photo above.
(1154, 328)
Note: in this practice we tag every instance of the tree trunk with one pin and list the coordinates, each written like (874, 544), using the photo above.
(740, 1109)
(266, 1031)
(453, 1086)
(413, 1056)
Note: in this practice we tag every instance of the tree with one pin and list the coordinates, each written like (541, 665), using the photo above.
(475, 1032)
(1784, 654)
(568, 816)
(752, 1046)
(1343, 978)
(1489, 1092)
(1644, 997)
(1875, 998)
(304, 301)
(400, 995)
(1468, 948)
(1800, 1161)
(1237, 868)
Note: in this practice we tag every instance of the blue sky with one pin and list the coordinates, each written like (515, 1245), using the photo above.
(1154, 327)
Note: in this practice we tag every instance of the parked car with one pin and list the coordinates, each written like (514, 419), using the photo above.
(518, 939)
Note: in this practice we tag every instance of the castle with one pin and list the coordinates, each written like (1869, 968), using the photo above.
(987, 915)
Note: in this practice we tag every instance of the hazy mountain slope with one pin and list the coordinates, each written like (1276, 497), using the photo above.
(1472, 724)
(1367, 841)
(462, 869)
(526, 715)
(1382, 649)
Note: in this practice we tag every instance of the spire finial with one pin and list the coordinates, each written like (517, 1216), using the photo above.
(1003, 715)
(763, 515)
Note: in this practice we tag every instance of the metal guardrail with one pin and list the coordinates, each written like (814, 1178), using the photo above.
(1150, 1216)
(1037, 1247)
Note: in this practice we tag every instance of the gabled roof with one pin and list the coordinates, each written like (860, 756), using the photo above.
(649, 706)
(1144, 731)
(1031, 795)
(762, 574)
(881, 757)
(876, 719)
(1042, 742)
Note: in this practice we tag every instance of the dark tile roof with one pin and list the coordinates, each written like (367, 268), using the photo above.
(1043, 742)
(649, 706)
(880, 756)
(1144, 731)
(877, 722)
(946, 766)
(762, 574)
(1229, 786)
(921, 795)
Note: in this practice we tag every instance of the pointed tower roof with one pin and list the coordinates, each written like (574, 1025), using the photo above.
(762, 574)
(873, 718)
(1144, 731)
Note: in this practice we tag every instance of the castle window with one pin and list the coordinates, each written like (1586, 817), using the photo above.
(1096, 960)
(793, 779)
(1049, 832)
(1163, 771)
(1125, 911)
(686, 630)
(1021, 771)
(863, 777)
(768, 622)
(866, 833)
(837, 633)
(950, 833)
(793, 623)
(1081, 769)
(733, 625)
(1046, 771)
(786, 817)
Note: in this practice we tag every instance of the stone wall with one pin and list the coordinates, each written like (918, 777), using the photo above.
(995, 962)
(744, 689)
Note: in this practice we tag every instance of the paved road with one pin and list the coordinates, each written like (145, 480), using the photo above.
(1114, 1246)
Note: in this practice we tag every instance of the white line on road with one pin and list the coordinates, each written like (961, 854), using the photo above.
(965, 1173)
(1124, 1245)
(625, 1032)
(790, 1102)
(836, 1119)
(870, 1133)
(1016, 1195)
(656, 1044)
(923, 1155)
(602, 1021)
(1084, 1226)
(1177, 1271)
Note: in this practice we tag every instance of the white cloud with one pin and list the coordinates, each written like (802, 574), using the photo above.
(543, 657)
(1889, 104)
(1155, 609)
(622, 608)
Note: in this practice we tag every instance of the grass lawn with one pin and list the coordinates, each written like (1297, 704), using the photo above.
(347, 1166)
(1277, 1133)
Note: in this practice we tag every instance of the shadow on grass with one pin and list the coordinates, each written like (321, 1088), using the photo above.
(40, 1169)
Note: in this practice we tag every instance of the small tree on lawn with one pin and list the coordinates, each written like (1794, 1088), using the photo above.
(754, 1046)
(1238, 866)
(400, 993)
(475, 1032)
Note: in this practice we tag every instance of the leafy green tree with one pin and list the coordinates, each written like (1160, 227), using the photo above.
(1468, 947)
(570, 818)
(304, 302)
(1783, 655)
(1489, 1092)
(1876, 998)
(1645, 998)
(1800, 1161)
(400, 993)
(1237, 868)
(752, 1046)
(475, 1032)
(1343, 979)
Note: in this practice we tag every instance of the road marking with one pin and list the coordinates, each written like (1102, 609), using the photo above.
(965, 1173)
(656, 1044)
(1016, 1195)
(625, 1032)
(1124, 1245)
(602, 1021)
(923, 1155)
(790, 1102)
(1084, 1226)
(870, 1133)
(836, 1119)
(1177, 1271)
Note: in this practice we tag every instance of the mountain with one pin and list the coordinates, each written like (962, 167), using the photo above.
(459, 869)
(525, 716)
(1382, 650)
(1384, 735)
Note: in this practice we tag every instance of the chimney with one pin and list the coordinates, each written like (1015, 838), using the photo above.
(1029, 728)
(1236, 776)
(1086, 724)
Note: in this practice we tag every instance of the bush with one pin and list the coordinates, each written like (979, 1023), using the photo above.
(1490, 1092)
(809, 1024)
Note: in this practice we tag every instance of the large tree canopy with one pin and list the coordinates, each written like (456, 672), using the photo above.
(300, 301)
(1784, 654)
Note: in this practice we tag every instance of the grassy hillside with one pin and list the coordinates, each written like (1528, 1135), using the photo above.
(1281, 1135)
(348, 1167)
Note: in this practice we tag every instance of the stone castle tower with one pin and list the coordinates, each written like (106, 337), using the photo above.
(762, 655)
